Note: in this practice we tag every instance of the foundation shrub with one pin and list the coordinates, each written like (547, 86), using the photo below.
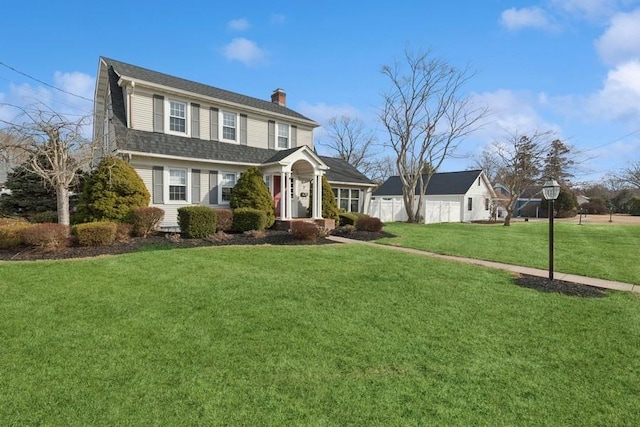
(224, 220)
(373, 225)
(46, 236)
(124, 231)
(145, 220)
(251, 192)
(197, 221)
(348, 218)
(245, 219)
(96, 233)
(304, 231)
(11, 232)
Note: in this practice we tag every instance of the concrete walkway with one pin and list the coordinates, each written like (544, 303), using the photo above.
(590, 281)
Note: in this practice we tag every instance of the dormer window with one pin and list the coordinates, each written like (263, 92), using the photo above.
(283, 136)
(229, 126)
(178, 116)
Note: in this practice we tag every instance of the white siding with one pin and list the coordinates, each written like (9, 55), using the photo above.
(257, 131)
(142, 111)
(479, 193)
(305, 137)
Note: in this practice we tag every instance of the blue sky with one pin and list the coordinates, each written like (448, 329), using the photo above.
(569, 66)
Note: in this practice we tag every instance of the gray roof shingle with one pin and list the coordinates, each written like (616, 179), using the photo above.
(441, 184)
(133, 71)
(341, 171)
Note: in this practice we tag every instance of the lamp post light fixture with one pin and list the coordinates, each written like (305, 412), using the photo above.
(551, 191)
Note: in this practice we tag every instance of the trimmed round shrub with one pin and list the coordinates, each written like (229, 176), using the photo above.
(46, 236)
(224, 220)
(246, 219)
(96, 233)
(373, 225)
(145, 220)
(112, 190)
(304, 231)
(251, 192)
(347, 218)
(124, 231)
(197, 221)
(11, 232)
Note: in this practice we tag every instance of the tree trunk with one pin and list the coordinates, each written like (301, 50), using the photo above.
(62, 196)
(507, 219)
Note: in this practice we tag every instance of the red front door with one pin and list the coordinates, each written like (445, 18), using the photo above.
(277, 194)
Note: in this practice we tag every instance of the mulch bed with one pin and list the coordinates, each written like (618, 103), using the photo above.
(560, 286)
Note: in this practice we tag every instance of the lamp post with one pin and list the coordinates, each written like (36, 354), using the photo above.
(551, 190)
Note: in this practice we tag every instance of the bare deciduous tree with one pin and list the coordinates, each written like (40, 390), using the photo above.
(55, 148)
(520, 159)
(348, 139)
(426, 116)
(631, 175)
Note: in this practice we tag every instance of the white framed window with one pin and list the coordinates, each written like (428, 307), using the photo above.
(227, 182)
(229, 126)
(177, 117)
(267, 181)
(469, 203)
(283, 136)
(348, 199)
(177, 185)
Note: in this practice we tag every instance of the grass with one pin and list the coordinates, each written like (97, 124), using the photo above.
(326, 335)
(595, 250)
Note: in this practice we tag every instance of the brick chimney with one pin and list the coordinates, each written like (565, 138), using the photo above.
(279, 97)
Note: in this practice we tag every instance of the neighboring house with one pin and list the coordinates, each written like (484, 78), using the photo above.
(463, 196)
(528, 204)
(190, 142)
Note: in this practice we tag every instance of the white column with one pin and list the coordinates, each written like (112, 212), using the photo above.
(318, 196)
(282, 197)
(314, 200)
(287, 197)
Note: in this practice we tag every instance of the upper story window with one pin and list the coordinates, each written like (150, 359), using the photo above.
(283, 135)
(229, 126)
(178, 184)
(178, 116)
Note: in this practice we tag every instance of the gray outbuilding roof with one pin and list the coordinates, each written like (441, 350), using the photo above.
(127, 70)
(445, 183)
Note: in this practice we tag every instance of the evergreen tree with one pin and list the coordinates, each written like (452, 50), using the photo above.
(251, 192)
(111, 192)
(30, 193)
(565, 205)
(557, 164)
(329, 203)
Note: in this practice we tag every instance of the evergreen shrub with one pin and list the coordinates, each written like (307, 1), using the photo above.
(251, 192)
(96, 233)
(197, 221)
(246, 219)
(347, 218)
(11, 232)
(46, 216)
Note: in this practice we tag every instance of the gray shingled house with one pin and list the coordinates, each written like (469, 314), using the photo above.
(462, 196)
(190, 142)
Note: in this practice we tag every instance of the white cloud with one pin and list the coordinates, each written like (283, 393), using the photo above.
(590, 9)
(240, 24)
(619, 99)
(528, 17)
(277, 19)
(245, 51)
(621, 41)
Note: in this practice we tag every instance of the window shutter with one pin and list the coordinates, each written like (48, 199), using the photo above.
(294, 136)
(213, 187)
(157, 185)
(195, 186)
(272, 134)
(195, 121)
(243, 129)
(213, 120)
(158, 113)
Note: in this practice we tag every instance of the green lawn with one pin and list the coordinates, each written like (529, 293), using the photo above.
(314, 335)
(595, 250)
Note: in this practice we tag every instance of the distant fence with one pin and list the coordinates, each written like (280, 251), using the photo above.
(436, 211)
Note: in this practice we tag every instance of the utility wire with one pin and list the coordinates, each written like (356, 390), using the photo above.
(44, 83)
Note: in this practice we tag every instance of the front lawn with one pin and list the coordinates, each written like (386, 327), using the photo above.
(326, 335)
(595, 250)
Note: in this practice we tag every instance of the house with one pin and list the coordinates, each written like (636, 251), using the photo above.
(450, 197)
(189, 142)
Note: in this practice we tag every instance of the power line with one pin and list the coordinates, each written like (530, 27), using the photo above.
(44, 83)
